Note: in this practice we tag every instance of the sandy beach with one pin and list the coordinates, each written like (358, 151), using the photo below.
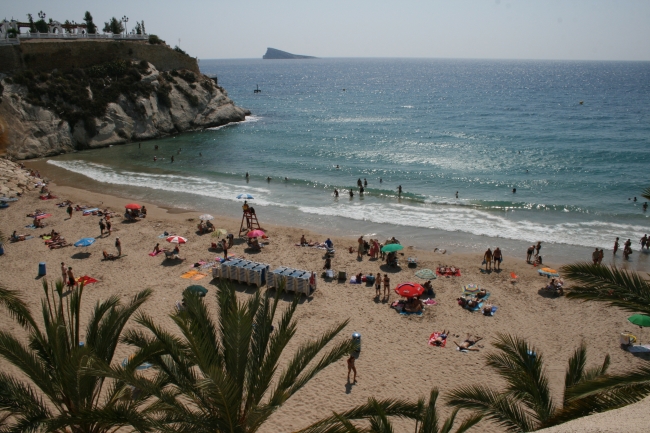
(395, 360)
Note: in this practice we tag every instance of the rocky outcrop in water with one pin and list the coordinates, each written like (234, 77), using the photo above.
(162, 104)
(274, 54)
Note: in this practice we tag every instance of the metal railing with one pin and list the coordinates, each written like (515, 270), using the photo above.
(80, 36)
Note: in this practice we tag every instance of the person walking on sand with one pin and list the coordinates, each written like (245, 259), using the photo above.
(537, 248)
(69, 210)
(118, 245)
(616, 245)
(352, 368)
(594, 256)
(360, 249)
(378, 285)
(529, 253)
(386, 287)
(71, 280)
(498, 258)
(601, 256)
(487, 259)
(108, 226)
(102, 226)
(63, 272)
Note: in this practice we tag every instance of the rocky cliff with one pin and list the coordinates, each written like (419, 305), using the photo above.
(51, 113)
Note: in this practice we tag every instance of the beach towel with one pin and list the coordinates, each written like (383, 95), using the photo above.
(478, 307)
(44, 197)
(447, 273)
(86, 280)
(433, 337)
(31, 226)
(153, 254)
(353, 280)
(198, 276)
(430, 302)
(189, 274)
(44, 215)
(487, 295)
(90, 211)
(407, 313)
(639, 349)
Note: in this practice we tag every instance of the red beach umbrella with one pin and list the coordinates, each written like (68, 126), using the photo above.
(133, 206)
(177, 240)
(255, 234)
(409, 290)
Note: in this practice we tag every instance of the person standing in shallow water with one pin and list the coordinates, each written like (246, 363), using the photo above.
(399, 191)
(616, 245)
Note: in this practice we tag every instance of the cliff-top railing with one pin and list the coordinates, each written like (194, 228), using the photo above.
(70, 36)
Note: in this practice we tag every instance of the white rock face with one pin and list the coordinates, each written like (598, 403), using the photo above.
(35, 131)
(13, 179)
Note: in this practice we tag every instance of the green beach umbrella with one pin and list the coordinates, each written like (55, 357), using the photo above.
(640, 320)
(426, 274)
(200, 290)
(391, 248)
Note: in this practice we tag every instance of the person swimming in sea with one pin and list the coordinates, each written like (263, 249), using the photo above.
(172, 158)
(456, 194)
(155, 159)
(247, 176)
(351, 193)
(514, 190)
(336, 192)
(399, 190)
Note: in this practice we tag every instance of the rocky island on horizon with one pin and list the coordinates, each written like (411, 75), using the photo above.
(275, 54)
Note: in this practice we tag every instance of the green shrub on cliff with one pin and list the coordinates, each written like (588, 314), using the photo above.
(155, 40)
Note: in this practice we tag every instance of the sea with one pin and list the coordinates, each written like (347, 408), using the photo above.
(487, 152)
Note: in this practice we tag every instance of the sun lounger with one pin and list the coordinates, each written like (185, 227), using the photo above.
(639, 349)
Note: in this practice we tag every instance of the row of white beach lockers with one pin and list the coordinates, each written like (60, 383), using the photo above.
(259, 274)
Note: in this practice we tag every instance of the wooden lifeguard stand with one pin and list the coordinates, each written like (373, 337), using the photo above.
(249, 222)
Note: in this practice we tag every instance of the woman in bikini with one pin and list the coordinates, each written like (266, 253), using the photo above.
(378, 285)
(386, 286)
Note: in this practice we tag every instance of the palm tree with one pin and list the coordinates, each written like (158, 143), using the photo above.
(376, 414)
(58, 395)
(526, 403)
(223, 373)
(616, 287)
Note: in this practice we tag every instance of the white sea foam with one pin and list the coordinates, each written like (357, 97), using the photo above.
(482, 223)
(166, 182)
(247, 119)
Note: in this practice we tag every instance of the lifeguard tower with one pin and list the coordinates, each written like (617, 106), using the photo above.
(249, 222)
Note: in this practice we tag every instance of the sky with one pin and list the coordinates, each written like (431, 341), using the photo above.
(475, 29)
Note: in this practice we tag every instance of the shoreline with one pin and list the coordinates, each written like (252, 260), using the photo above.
(427, 239)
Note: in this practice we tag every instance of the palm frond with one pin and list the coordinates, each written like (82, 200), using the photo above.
(576, 367)
(617, 287)
(646, 194)
(17, 308)
(499, 407)
(523, 369)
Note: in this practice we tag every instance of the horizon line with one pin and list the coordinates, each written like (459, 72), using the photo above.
(435, 58)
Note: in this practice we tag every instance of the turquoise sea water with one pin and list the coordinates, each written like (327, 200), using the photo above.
(432, 126)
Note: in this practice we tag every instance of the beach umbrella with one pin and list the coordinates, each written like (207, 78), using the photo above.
(177, 239)
(85, 242)
(426, 274)
(640, 320)
(206, 217)
(255, 234)
(142, 366)
(471, 288)
(219, 233)
(245, 197)
(199, 290)
(391, 248)
(133, 206)
(408, 290)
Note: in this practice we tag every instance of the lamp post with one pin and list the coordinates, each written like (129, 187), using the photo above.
(125, 20)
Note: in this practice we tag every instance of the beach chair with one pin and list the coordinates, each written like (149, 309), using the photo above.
(412, 262)
(343, 275)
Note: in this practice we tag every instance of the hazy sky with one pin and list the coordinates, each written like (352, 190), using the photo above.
(498, 29)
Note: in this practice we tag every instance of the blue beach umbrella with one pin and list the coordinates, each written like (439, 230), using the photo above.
(245, 197)
(85, 242)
